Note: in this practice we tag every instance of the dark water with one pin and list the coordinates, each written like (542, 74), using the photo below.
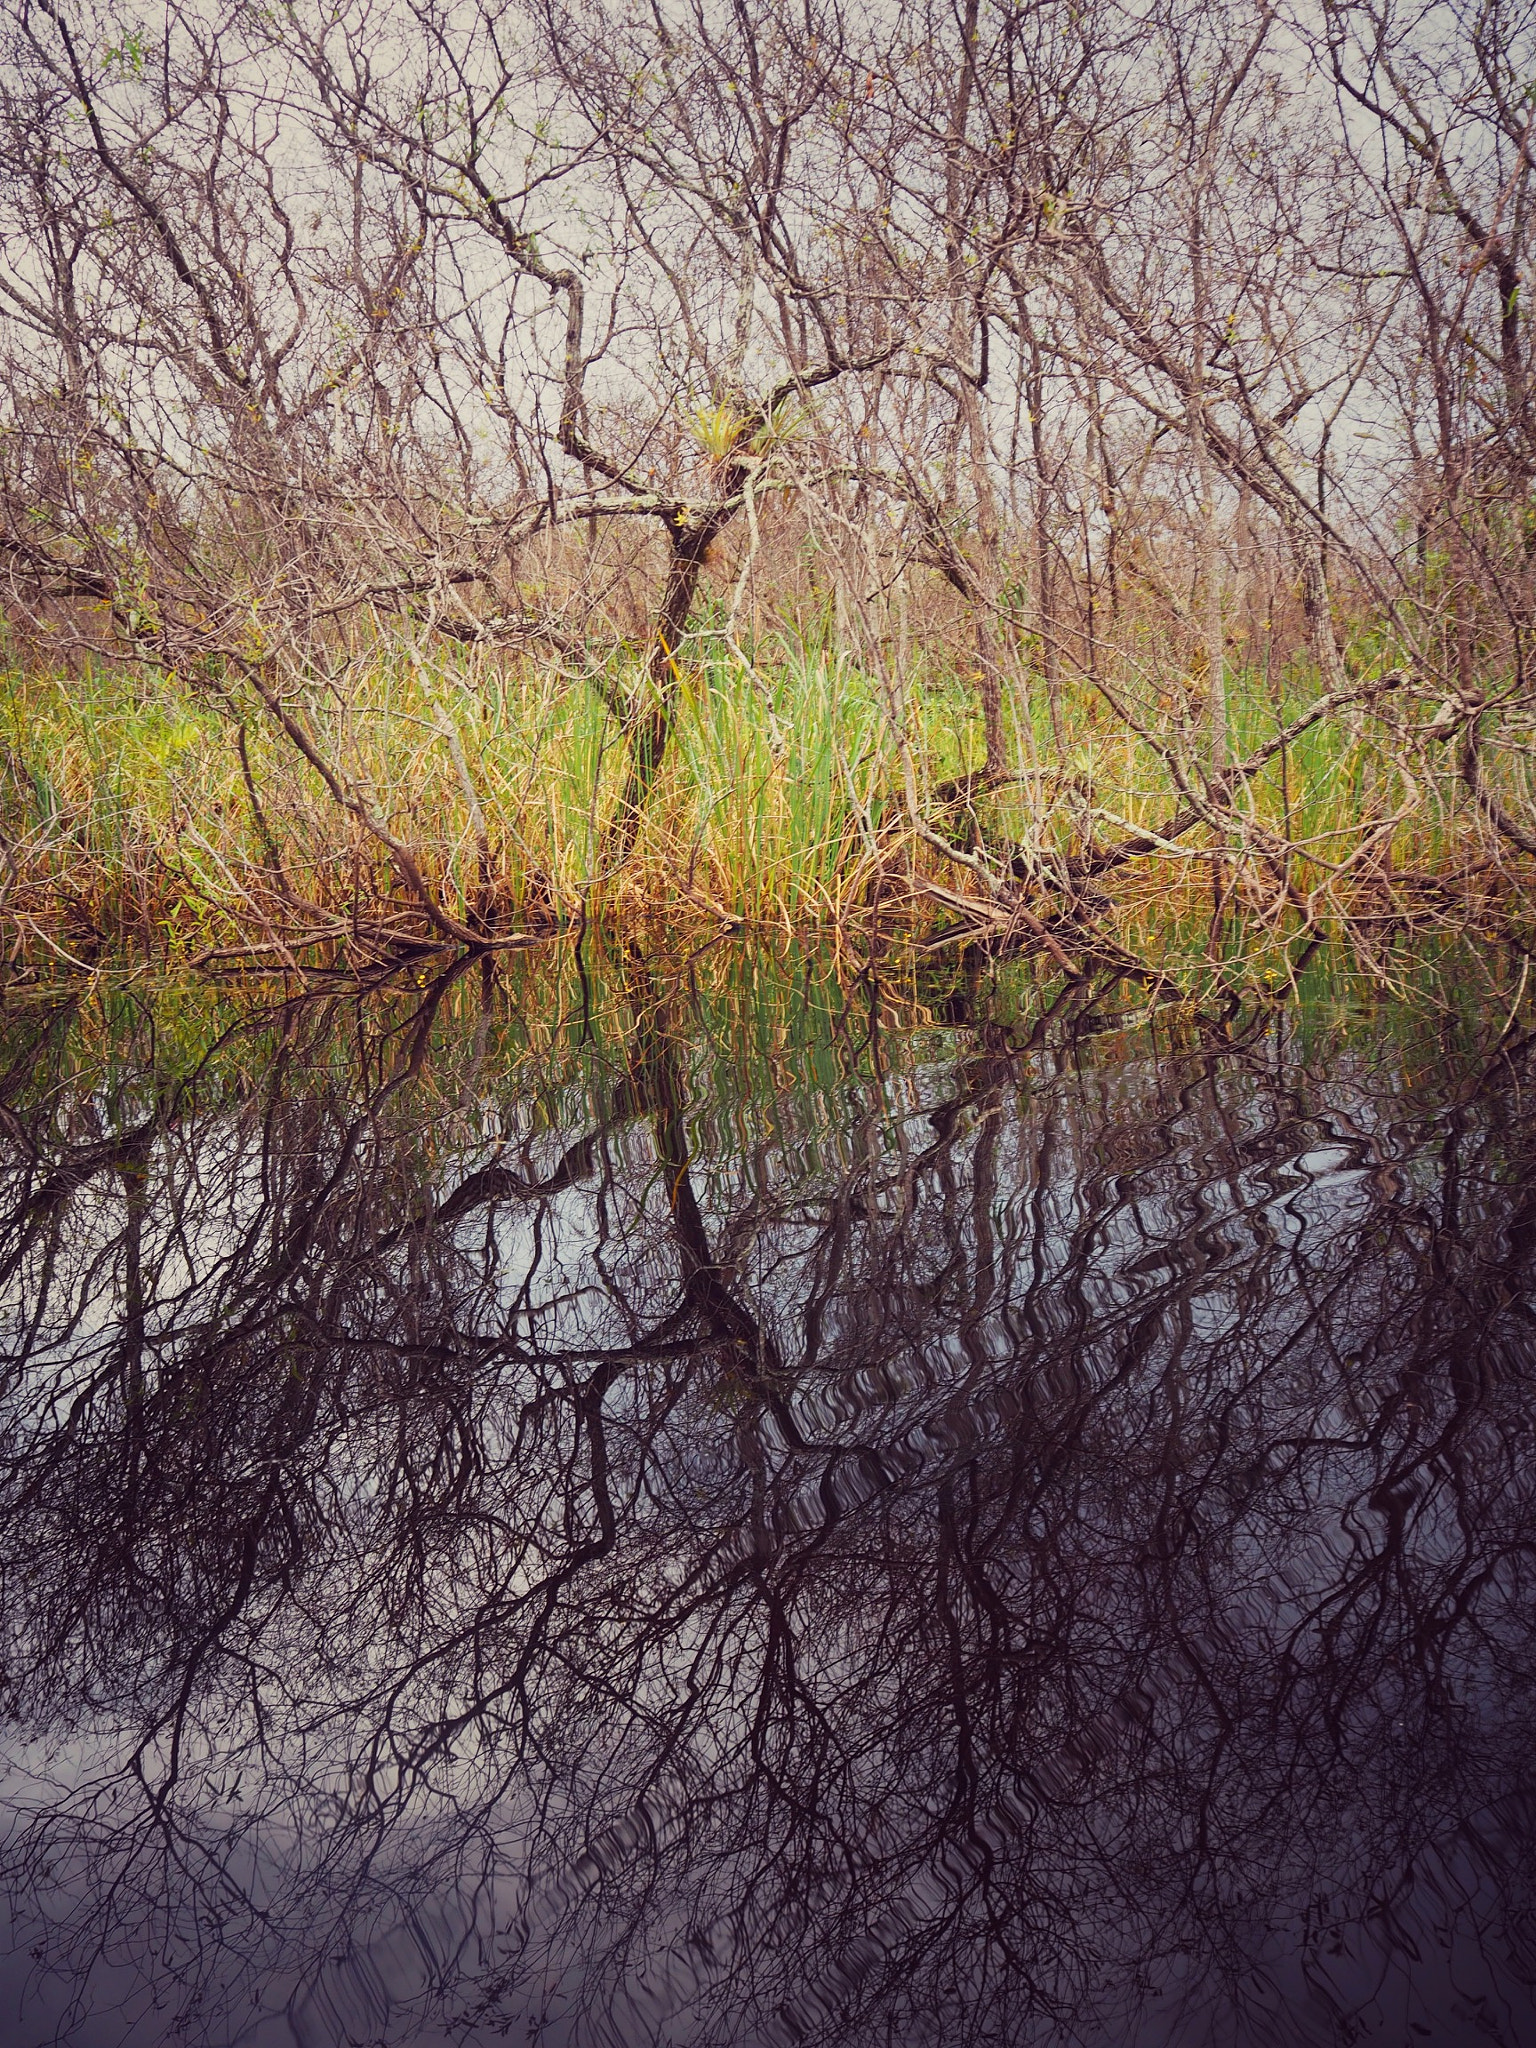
(733, 1508)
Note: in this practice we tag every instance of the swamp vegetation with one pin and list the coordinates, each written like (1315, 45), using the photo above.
(1059, 473)
(767, 1197)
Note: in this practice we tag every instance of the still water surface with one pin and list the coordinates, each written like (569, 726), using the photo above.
(728, 1508)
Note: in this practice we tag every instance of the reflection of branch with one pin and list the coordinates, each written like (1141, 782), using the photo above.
(888, 1554)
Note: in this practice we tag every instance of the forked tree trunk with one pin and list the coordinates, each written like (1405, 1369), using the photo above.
(650, 727)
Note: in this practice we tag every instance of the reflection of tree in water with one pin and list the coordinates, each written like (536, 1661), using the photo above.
(1051, 1536)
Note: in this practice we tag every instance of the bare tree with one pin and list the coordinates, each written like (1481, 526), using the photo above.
(326, 329)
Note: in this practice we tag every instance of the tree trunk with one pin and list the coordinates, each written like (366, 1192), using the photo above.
(650, 726)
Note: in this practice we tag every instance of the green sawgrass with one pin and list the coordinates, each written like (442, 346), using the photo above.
(783, 802)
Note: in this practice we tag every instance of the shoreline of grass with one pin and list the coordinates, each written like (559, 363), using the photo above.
(141, 813)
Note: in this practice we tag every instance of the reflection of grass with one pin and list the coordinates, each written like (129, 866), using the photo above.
(793, 1030)
(782, 802)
